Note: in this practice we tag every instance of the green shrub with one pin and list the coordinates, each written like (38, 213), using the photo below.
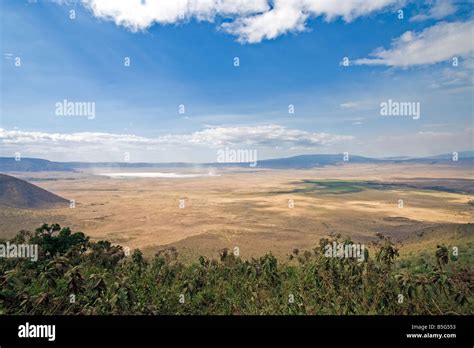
(74, 275)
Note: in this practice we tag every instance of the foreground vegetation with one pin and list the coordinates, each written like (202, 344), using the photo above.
(74, 275)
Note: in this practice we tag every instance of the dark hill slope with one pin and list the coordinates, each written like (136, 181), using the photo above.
(19, 193)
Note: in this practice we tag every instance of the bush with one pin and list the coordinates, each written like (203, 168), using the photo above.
(74, 275)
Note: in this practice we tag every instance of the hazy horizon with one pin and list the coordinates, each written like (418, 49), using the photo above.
(462, 152)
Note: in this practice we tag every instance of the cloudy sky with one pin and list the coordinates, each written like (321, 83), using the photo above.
(311, 77)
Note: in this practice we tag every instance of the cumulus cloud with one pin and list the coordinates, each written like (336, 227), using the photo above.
(214, 137)
(290, 16)
(139, 15)
(250, 20)
(440, 9)
(440, 42)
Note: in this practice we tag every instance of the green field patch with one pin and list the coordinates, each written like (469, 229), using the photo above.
(310, 186)
(338, 187)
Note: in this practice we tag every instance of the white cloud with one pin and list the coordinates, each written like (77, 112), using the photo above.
(349, 105)
(215, 137)
(139, 15)
(440, 9)
(291, 16)
(250, 20)
(458, 77)
(440, 42)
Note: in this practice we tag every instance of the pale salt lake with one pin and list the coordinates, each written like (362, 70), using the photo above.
(156, 175)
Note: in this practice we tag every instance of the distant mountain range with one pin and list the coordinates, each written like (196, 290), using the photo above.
(19, 193)
(8, 164)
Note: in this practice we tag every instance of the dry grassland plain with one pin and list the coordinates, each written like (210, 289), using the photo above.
(250, 208)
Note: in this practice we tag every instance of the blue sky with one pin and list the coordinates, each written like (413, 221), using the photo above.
(289, 53)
